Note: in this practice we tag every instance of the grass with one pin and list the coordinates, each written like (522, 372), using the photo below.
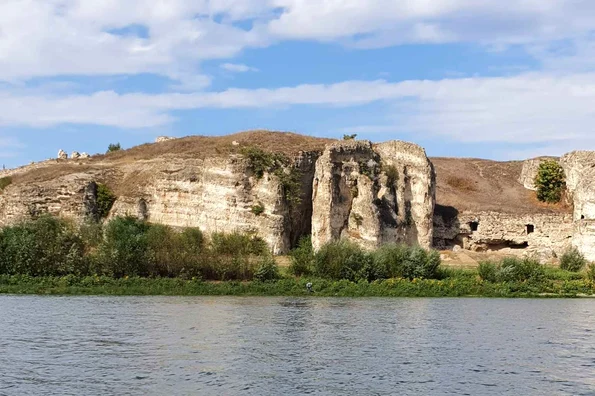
(457, 283)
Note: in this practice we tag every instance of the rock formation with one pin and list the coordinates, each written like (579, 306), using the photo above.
(484, 206)
(75, 155)
(368, 193)
(373, 195)
(161, 139)
(84, 155)
(579, 167)
(62, 155)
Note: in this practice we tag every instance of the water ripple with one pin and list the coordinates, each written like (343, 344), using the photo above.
(284, 346)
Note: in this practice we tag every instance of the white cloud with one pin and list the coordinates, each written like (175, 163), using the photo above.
(237, 68)
(529, 108)
(71, 37)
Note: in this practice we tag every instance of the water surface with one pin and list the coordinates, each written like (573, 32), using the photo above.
(284, 346)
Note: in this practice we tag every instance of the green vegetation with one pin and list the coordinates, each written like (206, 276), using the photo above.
(262, 162)
(257, 209)
(5, 182)
(573, 260)
(550, 182)
(129, 256)
(105, 200)
(350, 137)
(512, 270)
(278, 164)
(114, 147)
(346, 260)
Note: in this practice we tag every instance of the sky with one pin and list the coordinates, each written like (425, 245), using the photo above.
(463, 78)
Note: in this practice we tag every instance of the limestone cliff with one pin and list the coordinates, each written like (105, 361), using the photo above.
(579, 167)
(373, 194)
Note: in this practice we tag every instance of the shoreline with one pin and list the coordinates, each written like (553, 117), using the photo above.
(449, 287)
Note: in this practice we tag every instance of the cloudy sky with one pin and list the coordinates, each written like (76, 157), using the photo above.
(479, 78)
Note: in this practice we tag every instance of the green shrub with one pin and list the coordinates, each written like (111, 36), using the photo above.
(290, 178)
(390, 259)
(550, 181)
(515, 269)
(114, 147)
(125, 248)
(45, 246)
(350, 137)
(261, 161)
(488, 271)
(400, 261)
(591, 272)
(302, 258)
(341, 260)
(238, 244)
(267, 270)
(105, 200)
(572, 260)
(258, 209)
(5, 182)
(512, 269)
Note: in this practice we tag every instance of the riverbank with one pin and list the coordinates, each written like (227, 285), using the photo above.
(464, 285)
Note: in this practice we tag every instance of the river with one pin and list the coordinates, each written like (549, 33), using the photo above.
(285, 346)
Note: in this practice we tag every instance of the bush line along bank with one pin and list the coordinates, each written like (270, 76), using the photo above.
(128, 256)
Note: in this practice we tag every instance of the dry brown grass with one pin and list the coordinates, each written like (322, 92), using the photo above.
(212, 146)
(195, 147)
(469, 184)
(461, 183)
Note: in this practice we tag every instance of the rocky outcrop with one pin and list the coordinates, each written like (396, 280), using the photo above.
(70, 196)
(220, 195)
(75, 155)
(530, 169)
(373, 195)
(545, 235)
(62, 155)
(579, 167)
(161, 139)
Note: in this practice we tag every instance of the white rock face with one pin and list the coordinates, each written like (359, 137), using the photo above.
(62, 155)
(530, 169)
(84, 155)
(579, 167)
(356, 196)
(75, 155)
(217, 195)
(545, 234)
(161, 139)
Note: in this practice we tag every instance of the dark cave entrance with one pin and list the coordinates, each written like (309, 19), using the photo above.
(474, 225)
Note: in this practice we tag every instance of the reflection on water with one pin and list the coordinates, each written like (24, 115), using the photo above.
(282, 346)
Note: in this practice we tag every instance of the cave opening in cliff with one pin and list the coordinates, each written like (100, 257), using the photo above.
(501, 245)
(530, 229)
(474, 225)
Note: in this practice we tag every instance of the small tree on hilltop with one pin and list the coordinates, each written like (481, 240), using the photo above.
(350, 137)
(550, 182)
(114, 147)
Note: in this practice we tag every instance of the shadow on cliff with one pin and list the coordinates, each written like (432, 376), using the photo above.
(446, 218)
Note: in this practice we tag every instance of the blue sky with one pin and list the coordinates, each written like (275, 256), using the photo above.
(460, 77)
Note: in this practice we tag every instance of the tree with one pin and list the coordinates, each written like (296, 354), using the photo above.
(114, 147)
(350, 137)
(550, 181)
